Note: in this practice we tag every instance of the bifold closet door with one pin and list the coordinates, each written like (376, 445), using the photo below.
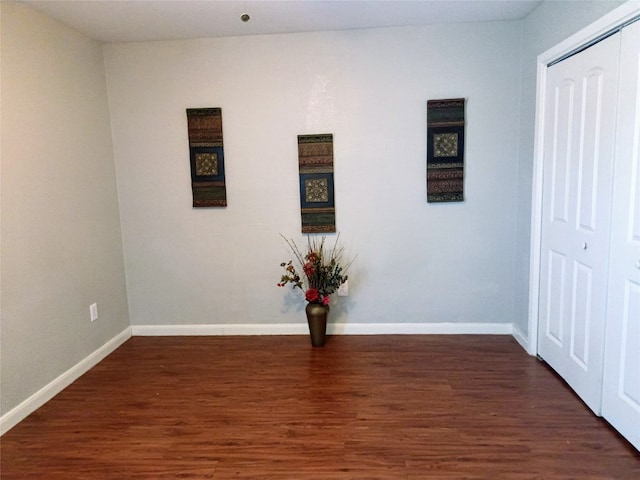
(621, 392)
(580, 117)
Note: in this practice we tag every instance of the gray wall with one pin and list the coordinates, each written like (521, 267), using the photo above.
(417, 263)
(61, 239)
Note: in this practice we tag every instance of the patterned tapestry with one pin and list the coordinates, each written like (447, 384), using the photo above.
(206, 153)
(445, 150)
(315, 163)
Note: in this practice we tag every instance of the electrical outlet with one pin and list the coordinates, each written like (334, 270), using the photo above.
(93, 310)
(343, 290)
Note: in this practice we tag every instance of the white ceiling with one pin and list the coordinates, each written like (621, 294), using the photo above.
(148, 20)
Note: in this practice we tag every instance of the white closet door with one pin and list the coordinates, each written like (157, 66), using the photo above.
(621, 395)
(580, 115)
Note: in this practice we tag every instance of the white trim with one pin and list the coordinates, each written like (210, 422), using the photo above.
(521, 338)
(421, 328)
(46, 393)
(332, 329)
(219, 329)
(608, 22)
(536, 209)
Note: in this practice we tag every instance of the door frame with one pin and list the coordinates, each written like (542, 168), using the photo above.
(607, 23)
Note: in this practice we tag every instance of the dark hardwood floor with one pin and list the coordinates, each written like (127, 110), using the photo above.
(362, 407)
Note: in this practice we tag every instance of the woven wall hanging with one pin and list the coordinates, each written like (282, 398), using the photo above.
(445, 150)
(315, 164)
(206, 152)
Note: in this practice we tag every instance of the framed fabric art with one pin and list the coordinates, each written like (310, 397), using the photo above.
(315, 164)
(445, 150)
(206, 154)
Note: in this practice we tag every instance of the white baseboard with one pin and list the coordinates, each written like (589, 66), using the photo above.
(46, 393)
(420, 328)
(522, 339)
(332, 329)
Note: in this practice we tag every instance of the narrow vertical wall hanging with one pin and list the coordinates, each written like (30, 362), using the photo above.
(315, 163)
(445, 150)
(206, 154)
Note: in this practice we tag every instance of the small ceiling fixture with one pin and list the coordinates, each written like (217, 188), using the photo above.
(245, 17)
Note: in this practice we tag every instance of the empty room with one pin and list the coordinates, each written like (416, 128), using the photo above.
(320, 239)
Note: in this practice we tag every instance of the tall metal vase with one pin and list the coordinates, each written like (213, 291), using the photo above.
(317, 319)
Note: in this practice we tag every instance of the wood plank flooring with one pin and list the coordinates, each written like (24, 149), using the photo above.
(362, 407)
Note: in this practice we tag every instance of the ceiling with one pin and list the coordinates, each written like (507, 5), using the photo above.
(149, 20)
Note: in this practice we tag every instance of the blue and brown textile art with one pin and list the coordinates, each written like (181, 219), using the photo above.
(445, 150)
(206, 153)
(315, 163)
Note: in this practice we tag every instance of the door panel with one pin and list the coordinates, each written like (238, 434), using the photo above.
(621, 393)
(588, 156)
(581, 315)
(554, 309)
(561, 154)
(577, 182)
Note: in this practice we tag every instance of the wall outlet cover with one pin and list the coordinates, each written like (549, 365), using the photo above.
(93, 310)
